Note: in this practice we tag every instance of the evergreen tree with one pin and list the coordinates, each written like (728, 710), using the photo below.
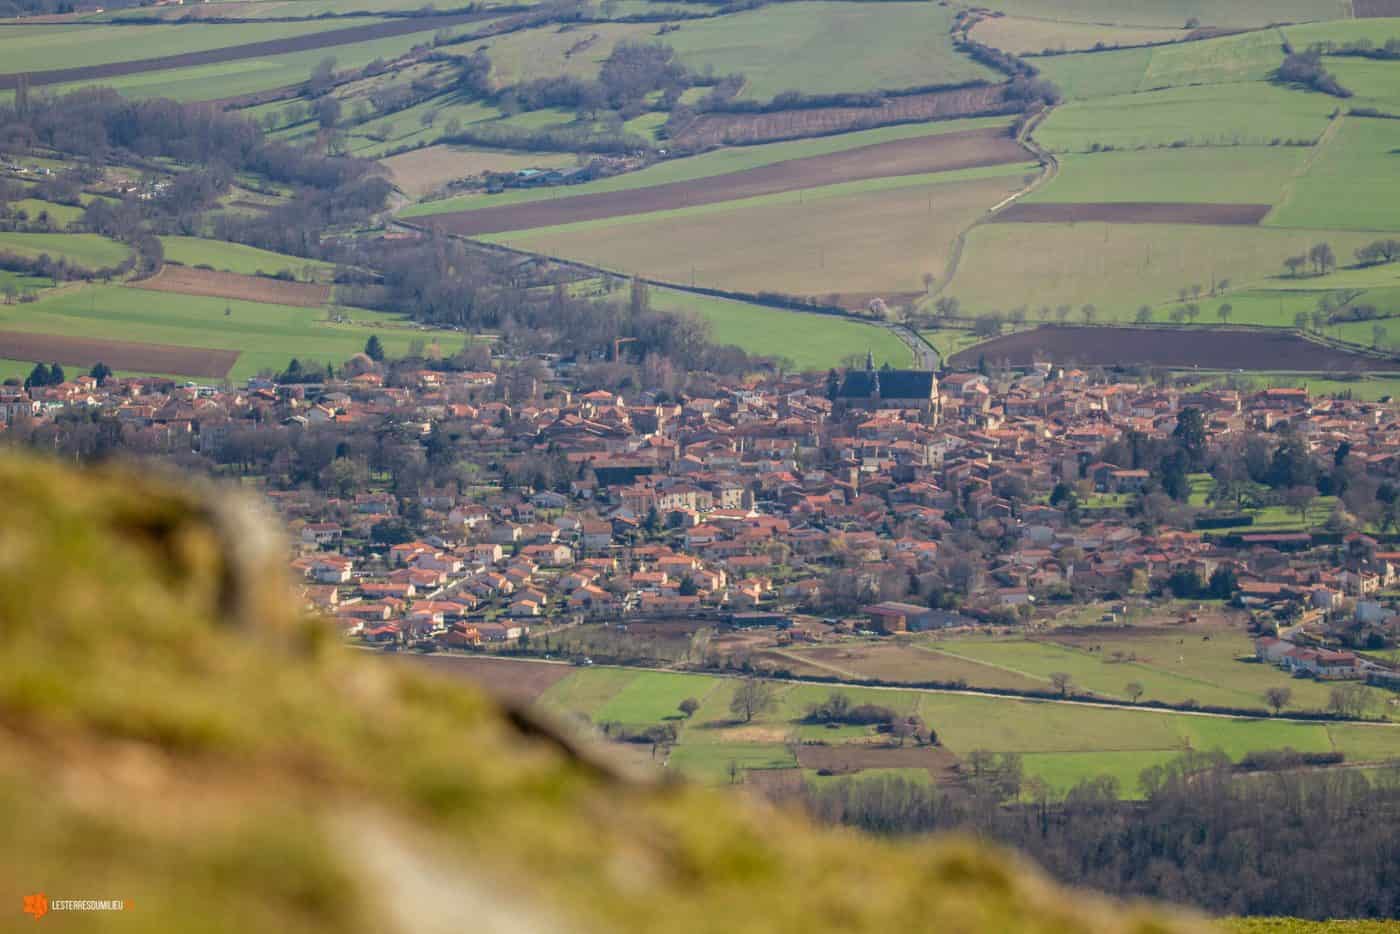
(374, 349)
(39, 376)
(100, 371)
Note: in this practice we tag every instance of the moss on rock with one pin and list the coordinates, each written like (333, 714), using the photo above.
(173, 732)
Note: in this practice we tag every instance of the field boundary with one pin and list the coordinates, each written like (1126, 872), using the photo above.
(332, 37)
(875, 684)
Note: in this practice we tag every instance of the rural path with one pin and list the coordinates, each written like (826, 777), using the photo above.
(925, 357)
(1050, 168)
(962, 692)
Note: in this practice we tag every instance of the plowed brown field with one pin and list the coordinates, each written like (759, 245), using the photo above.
(991, 146)
(1135, 212)
(119, 355)
(852, 757)
(1208, 348)
(734, 129)
(187, 280)
(1375, 8)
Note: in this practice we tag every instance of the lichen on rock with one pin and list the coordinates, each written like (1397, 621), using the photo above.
(173, 732)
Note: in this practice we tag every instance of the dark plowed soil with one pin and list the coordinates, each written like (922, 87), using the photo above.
(1208, 348)
(119, 355)
(1374, 8)
(320, 40)
(509, 678)
(1136, 212)
(902, 157)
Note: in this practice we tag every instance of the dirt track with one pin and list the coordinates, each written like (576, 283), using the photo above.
(119, 355)
(1208, 348)
(743, 128)
(1367, 9)
(1135, 212)
(320, 40)
(902, 157)
(187, 280)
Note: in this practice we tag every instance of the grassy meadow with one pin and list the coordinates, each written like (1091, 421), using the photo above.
(1352, 181)
(236, 257)
(1062, 743)
(90, 251)
(1233, 175)
(1023, 35)
(806, 341)
(267, 335)
(1244, 13)
(865, 237)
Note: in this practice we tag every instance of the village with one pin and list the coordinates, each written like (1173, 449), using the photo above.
(849, 505)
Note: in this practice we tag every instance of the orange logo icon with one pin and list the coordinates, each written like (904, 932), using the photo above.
(36, 905)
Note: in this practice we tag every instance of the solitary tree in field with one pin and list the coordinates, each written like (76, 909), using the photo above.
(1294, 264)
(100, 371)
(1134, 690)
(1196, 290)
(1090, 313)
(1144, 314)
(752, 698)
(1300, 321)
(1224, 311)
(1278, 698)
(1062, 313)
(1193, 311)
(1061, 682)
(374, 349)
(688, 707)
(1300, 499)
(928, 282)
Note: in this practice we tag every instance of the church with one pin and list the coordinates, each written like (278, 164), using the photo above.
(887, 388)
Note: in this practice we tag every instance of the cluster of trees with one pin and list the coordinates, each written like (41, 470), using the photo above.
(1320, 257)
(1294, 843)
(1362, 48)
(1378, 252)
(1306, 69)
(58, 269)
(41, 375)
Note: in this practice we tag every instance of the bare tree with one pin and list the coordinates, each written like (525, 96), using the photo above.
(1134, 690)
(1061, 682)
(1278, 698)
(752, 698)
(688, 707)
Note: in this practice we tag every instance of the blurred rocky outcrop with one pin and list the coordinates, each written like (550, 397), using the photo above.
(174, 733)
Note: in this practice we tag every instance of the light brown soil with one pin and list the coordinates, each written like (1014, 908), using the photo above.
(852, 757)
(119, 355)
(1208, 348)
(728, 129)
(508, 678)
(1136, 212)
(188, 280)
(942, 153)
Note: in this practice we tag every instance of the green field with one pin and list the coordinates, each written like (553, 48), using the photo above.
(235, 257)
(1022, 35)
(1062, 742)
(60, 214)
(40, 48)
(821, 48)
(866, 237)
(1171, 666)
(1353, 182)
(1374, 84)
(708, 165)
(807, 341)
(268, 335)
(89, 251)
(1119, 267)
(253, 75)
(1344, 29)
(1246, 113)
(1238, 175)
(550, 51)
(1177, 12)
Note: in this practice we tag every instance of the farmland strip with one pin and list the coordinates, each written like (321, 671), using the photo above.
(1135, 212)
(947, 152)
(187, 280)
(320, 40)
(1210, 348)
(119, 355)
